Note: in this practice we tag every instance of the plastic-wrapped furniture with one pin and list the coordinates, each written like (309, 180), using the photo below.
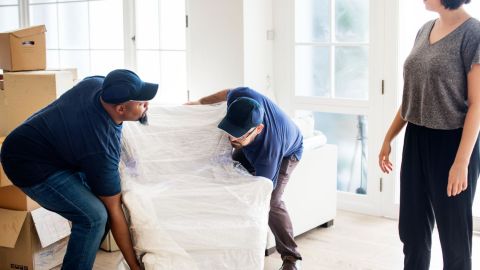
(190, 206)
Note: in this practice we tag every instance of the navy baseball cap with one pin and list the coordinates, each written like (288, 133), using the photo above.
(242, 115)
(123, 85)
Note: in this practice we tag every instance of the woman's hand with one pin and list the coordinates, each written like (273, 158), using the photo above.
(457, 179)
(383, 158)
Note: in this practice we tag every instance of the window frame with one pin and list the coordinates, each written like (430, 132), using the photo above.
(129, 35)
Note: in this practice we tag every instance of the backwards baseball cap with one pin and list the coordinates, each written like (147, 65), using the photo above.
(242, 115)
(123, 85)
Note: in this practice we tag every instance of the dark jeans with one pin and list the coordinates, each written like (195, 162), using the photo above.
(428, 155)
(278, 219)
(67, 194)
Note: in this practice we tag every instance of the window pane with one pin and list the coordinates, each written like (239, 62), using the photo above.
(168, 69)
(53, 59)
(105, 61)
(172, 25)
(312, 20)
(8, 2)
(148, 65)
(46, 14)
(312, 71)
(349, 133)
(73, 25)
(106, 32)
(9, 18)
(79, 59)
(173, 87)
(147, 28)
(351, 19)
(42, 1)
(351, 72)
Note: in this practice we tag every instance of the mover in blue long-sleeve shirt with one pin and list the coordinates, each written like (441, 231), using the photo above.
(66, 158)
(268, 144)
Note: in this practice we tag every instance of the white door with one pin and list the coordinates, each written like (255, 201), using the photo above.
(329, 66)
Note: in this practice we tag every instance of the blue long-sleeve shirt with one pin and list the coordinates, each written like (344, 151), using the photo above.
(279, 138)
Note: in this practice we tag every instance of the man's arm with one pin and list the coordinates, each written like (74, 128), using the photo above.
(215, 98)
(120, 230)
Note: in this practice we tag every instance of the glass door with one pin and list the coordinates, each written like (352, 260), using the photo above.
(338, 83)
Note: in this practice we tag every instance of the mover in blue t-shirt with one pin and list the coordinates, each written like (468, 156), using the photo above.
(268, 144)
(66, 158)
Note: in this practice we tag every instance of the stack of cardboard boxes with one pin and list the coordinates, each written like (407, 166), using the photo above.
(30, 236)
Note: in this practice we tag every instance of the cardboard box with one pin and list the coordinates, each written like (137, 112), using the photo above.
(13, 198)
(27, 92)
(4, 181)
(109, 243)
(23, 49)
(34, 240)
(3, 117)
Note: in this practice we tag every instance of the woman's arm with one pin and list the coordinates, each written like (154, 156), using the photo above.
(383, 158)
(457, 180)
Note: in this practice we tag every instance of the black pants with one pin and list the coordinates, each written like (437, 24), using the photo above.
(278, 217)
(428, 155)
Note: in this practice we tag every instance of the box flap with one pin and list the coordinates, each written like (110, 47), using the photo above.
(11, 223)
(30, 31)
(50, 226)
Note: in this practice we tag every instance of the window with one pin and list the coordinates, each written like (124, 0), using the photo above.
(9, 15)
(160, 47)
(97, 36)
(332, 44)
(86, 34)
(332, 74)
(349, 133)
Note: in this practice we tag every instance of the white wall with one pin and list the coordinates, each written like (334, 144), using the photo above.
(283, 52)
(258, 53)
(227, 46)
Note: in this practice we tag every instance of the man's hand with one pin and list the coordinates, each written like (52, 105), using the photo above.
(212, 99)
(196, 102)
(120, 230)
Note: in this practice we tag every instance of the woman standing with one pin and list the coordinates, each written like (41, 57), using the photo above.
(441, 163)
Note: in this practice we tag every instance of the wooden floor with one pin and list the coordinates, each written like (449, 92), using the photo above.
(354, 242)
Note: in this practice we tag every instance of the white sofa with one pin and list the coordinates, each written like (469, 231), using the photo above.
(311, 193)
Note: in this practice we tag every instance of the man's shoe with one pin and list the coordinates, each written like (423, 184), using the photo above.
(290, 263)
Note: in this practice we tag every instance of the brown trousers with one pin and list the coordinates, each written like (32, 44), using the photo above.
(278, 219)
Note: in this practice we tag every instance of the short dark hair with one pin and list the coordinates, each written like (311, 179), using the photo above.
(454, 4)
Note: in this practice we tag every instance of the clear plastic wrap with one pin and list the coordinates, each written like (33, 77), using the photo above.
(190, 205)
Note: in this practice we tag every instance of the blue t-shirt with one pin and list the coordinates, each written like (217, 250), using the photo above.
(279, 139)
(72, 133)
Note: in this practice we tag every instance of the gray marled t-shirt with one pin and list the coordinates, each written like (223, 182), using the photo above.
(435, 76)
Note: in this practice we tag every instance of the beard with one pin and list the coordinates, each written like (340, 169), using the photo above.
(143, 119)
